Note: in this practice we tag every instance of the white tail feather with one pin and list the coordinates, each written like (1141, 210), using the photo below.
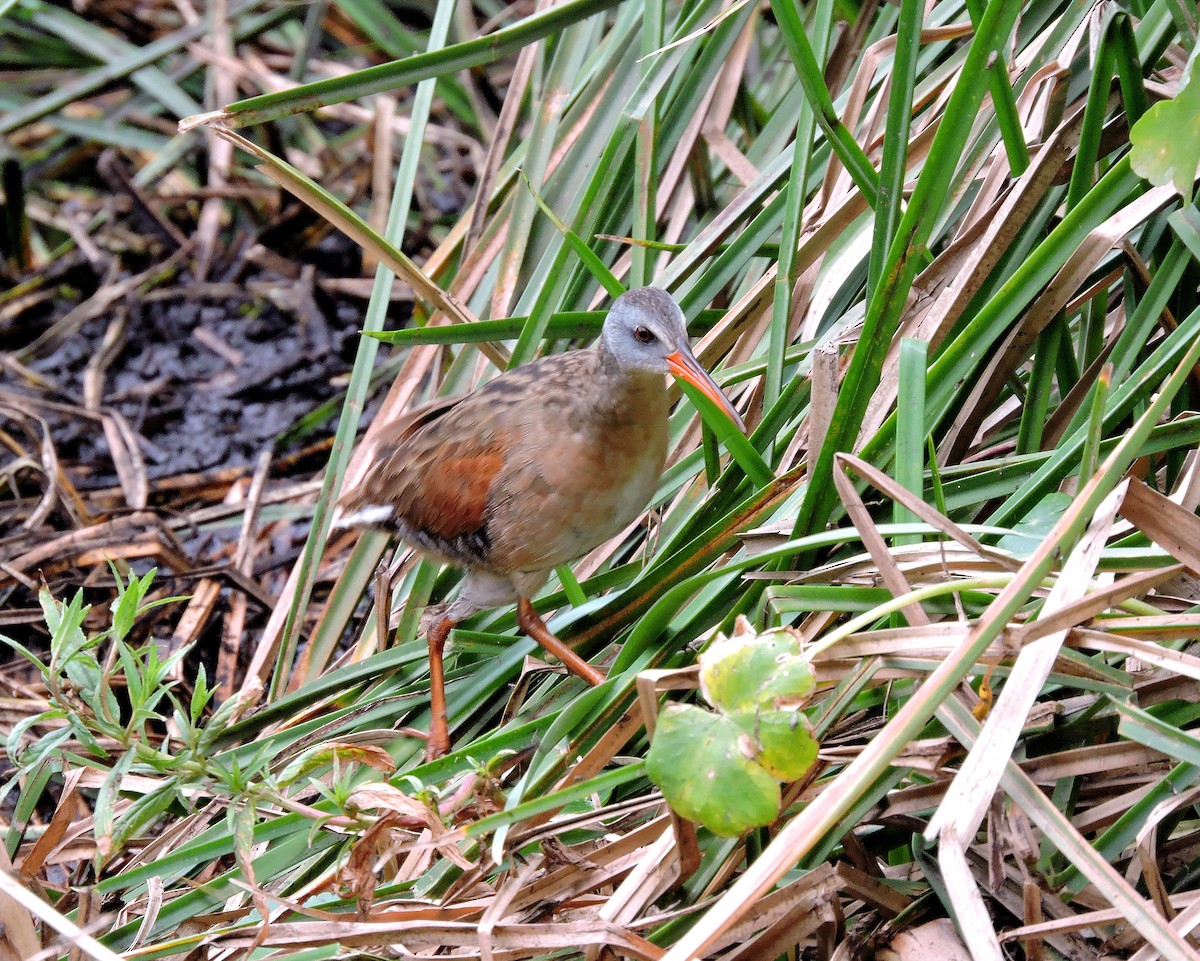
(367, 516)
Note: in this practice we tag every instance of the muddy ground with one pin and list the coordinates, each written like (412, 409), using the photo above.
(136, 396)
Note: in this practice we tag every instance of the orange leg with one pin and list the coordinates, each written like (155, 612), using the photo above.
(535, 627)
(438, 744)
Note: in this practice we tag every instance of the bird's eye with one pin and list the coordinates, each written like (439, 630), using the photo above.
(643, 335)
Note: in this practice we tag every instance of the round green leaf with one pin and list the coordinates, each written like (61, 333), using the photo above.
(1030, 532)
(752, 671)
(702, 764)
(790, 686)
(787, 748)
(1166, 140)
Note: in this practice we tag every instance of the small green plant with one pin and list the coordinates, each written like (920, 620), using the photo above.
(106, 697)
(110, 700)
(722, 768)
(82, 685)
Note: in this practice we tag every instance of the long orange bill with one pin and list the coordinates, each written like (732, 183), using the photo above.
(686, 367)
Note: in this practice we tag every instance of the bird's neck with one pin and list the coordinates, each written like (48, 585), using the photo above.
(629, 391)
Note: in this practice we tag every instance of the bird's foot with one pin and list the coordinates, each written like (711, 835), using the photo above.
(435, 748)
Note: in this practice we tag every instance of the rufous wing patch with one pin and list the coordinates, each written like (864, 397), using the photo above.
(450, 498)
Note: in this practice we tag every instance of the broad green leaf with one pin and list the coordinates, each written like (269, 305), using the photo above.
(755, 672)
(785, 742)
(703, 764)
(1166, 140)
(1030, 532)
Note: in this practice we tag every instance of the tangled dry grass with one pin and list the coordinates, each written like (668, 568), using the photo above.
(962, 331)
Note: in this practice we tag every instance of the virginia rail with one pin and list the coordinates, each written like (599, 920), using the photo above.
(532, 470)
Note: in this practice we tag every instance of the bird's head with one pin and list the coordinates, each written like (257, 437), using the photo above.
(645, 330)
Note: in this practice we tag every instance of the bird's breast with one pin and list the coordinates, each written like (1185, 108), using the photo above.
(581, 474)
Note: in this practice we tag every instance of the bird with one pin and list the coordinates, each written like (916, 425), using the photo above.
(530, 471)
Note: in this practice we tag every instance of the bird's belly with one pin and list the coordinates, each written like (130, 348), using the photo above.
(576, 500)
